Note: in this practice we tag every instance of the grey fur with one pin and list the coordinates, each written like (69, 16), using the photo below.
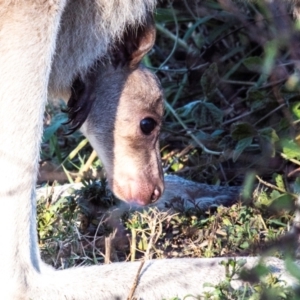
(87, 28)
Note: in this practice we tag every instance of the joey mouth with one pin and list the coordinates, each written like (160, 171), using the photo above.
(138, 191)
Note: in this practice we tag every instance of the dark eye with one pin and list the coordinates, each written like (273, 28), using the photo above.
(147, 125)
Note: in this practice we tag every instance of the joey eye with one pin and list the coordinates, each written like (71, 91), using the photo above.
(147, 125)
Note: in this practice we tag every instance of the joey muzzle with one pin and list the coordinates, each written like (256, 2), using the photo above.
(138, 191)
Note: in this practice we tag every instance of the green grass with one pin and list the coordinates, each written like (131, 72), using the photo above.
(71, 233)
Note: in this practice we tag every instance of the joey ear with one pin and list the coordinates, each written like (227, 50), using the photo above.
(145, 40)
(135, 43)
(83, 95)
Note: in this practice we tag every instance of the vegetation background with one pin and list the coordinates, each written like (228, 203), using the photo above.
(230, 73)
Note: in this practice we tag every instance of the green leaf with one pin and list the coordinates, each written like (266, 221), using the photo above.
(210, 80)
(203, 136)
(240, 147)
(186, 110)
(245, 245)
(292, 268)
(282, 201)
(207, 114)
(293, 82)
(248, 185)
(264, 200)
(241, 262)
(271, 49)
(291, 149)
(227, 222)
(267, 140)
(217, 133)
(257, 99)
(52, 128)
(166, 15)
(176, 166)
(261, 270)
(253, 64)
(242, 130)
(277, 223)
(297, 186)
(275, 194)
(296, 109)
(202, 113)
(279, 181)
(269, 134)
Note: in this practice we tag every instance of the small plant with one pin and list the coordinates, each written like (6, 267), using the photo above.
(258, 284)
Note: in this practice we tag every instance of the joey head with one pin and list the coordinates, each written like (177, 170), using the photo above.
(119, 107)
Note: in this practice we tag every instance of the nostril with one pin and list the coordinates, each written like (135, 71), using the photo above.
(155, 195)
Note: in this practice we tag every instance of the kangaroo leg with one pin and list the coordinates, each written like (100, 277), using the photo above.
(28, 32)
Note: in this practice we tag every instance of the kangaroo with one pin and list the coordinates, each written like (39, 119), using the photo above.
(50, 49)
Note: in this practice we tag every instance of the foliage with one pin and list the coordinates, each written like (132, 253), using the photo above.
(233, 93)
(266, 286)
(76, 230)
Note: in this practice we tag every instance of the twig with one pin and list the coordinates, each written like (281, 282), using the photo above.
(133, 244)
(263, 222)
(293, 172)
(175, 41)
(172, 36)
(136, 281)
(170, 108)
(109, 247)
(270, 113)
(274, 187)
(295, 161)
